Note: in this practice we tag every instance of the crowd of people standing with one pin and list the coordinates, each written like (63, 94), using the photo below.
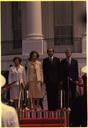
(52, 72)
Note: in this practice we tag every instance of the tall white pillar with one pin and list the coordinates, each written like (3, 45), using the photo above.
(32, 28)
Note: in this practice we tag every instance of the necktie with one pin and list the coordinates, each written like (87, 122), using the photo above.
(51, 59)
(68, 60)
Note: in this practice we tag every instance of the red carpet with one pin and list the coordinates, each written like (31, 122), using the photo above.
(58, 118)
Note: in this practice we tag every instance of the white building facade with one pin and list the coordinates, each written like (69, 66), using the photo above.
(27, 26)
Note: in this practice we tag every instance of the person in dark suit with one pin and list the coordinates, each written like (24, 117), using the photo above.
(51, 70)
(78, 114)
(69, 77)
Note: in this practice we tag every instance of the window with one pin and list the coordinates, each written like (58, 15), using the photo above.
(63, 23)
(16, 25)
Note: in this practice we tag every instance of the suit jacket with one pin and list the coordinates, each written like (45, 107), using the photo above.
(51, 70)
(9, 116)
(17, 75)
(70, 70)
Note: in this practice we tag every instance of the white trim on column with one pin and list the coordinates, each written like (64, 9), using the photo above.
(34, 36)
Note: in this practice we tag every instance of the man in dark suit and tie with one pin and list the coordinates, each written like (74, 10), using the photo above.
(51, 69)
(69, 77)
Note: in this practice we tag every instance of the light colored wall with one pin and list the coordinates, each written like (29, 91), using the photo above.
(6, 30)
(6, 21)
(48, 22)
(48, 32)
(79, 25)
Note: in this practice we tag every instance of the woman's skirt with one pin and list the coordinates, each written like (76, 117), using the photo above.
(35, 90)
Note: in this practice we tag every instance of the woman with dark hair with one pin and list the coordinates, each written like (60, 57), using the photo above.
(32, 55)
(17, 76)
(35, 80)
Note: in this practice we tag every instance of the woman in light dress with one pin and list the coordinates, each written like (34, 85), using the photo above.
(17, 76)
(35, 80)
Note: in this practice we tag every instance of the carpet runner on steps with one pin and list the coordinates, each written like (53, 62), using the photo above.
(29, 118)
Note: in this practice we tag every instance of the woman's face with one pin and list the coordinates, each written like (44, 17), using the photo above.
(34, 57)
(17, 62)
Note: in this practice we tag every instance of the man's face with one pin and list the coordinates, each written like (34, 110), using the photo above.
(68, 53)
(50, 52)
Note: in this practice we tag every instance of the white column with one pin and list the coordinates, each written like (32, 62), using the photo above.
(32, 28)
